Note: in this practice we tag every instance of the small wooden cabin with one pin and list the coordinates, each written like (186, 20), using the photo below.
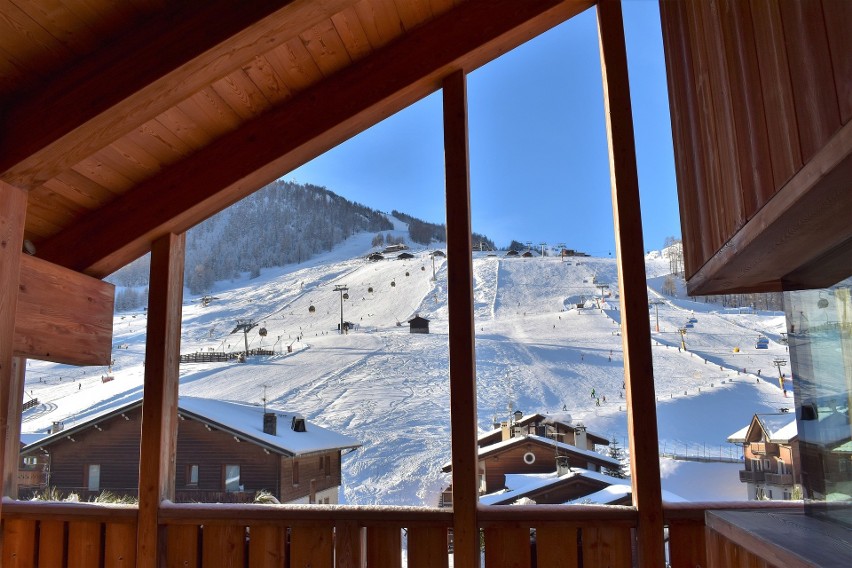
(418, 324)
(226, 452)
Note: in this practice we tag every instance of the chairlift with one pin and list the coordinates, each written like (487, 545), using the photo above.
(393, 283)
(262, 332)
(312, 309)
(370, 289)
(346, 295)
(406, 273)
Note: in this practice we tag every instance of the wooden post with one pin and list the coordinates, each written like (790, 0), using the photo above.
(13, 210)
(460, 301)
(159, 408)
(635, 321)
(12, 424)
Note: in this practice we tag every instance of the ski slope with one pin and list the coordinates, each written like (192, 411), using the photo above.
(389, 389)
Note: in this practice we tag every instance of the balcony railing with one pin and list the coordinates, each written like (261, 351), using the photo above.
(748, 476)
(84, 534)
(779, 478)
(763, 448)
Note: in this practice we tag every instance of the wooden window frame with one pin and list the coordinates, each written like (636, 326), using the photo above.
(189, 468)
(225, 477)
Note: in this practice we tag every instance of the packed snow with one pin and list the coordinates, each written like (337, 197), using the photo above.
(389, 389)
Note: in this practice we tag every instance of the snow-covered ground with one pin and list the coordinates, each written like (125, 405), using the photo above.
(389, 389)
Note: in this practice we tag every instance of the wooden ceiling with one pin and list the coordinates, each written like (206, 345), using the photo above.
(128, 120)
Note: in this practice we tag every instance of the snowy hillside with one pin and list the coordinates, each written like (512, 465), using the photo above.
(536, 351)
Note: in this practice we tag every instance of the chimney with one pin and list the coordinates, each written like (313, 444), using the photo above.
(298, 424)
(518, 415)
(562, 466)
(505, 431)
(580, 437)
(270, 423)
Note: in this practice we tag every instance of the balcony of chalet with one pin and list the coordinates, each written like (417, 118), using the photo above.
(127, 123)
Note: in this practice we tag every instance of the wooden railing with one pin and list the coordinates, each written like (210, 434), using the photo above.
(212, 535)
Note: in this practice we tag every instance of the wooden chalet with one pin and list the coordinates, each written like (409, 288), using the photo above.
(770, 456)
(126, 123)
(557, 427)
(418, 324)
(556, 488)
(226, 452)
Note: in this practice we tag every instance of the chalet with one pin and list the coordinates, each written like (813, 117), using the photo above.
(554, 426)
(394, 248)
(439, 254)
(528, 254)
(226, 452)
(108, 107)
(418, 324)
(376, 256)
(404, 256)
(512, 253)
(771, 456)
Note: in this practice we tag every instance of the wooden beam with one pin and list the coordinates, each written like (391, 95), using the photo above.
(10, 416)
(461, 326)
(159, 405)
(630, 254)
(174, 54)
(321, 117)
(13, 210)
(63, 316)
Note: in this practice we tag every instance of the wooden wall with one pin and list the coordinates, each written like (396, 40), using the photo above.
(759, 90)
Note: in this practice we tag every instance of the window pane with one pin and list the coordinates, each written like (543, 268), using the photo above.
(193, 475)
(232, 478)
(94, 477)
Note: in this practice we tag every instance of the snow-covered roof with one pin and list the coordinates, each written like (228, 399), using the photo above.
(616, 492)
(237, 418)
(519, 485)
(561, 418)
(493, 448)
(779, 428)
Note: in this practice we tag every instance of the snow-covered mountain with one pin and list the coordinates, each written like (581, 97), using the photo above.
(536, 351)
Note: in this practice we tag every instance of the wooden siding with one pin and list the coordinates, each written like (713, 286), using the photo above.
(758, 90)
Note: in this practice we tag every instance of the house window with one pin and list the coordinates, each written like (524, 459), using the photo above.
(93, 477)
(30, 460)
(232, 478)
(295, 472)
(327, 465)
(192, 474)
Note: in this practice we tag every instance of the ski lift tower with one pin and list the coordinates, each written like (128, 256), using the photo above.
(603, 287)
(780, 362)
(562, 250)
(657, 304)
(245, 326)
(542, 245)
(342, 290)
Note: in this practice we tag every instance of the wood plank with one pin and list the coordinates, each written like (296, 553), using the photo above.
(312, 545)
(777, 92)
(687, 545)
(689, 161)
(838, 22)
(52, 544)
(606, 546)
(19, 543)
(352, 34)
(263, 75)
(176, 53)
(462, 357)
(507, 547)
(380, 21)
(120, 545)
(241, 95)
(413, 13)
(557, 546)
(266, 546)
(294, 64)
(349, 546)
(384, 547)
(811, 74)
(159, 405)
(347, 103)
(749, 120)
(427, 547)
(223, 546)
(10, 419)
(84, 544)
(63, 316)
(635, 322)
(326, 48)
(182, 543)
(13, 211)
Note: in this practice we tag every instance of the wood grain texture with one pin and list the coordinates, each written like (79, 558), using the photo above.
(462, 358)
(84, 544)
(176, 53)
(159, 406)
(52, 543)
(182, 544)
(120, 545)
(10, 419)
(635, 323)
(687, 546)
(557, 545)
(223, 546)
(605, 547)
(341, 106)
(384, 547)
(19, 543)
(507, 547)
(266, 546)
(838, 22)
(349, 544)
(427, 547)
(63, 316)
(312, 545)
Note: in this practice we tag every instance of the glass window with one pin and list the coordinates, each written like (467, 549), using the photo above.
(93, 477)
(192, 474)
(295, 472)
(819, 330)
(232, 478)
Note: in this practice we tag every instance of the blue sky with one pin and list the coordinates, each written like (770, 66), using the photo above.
(538, 156)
